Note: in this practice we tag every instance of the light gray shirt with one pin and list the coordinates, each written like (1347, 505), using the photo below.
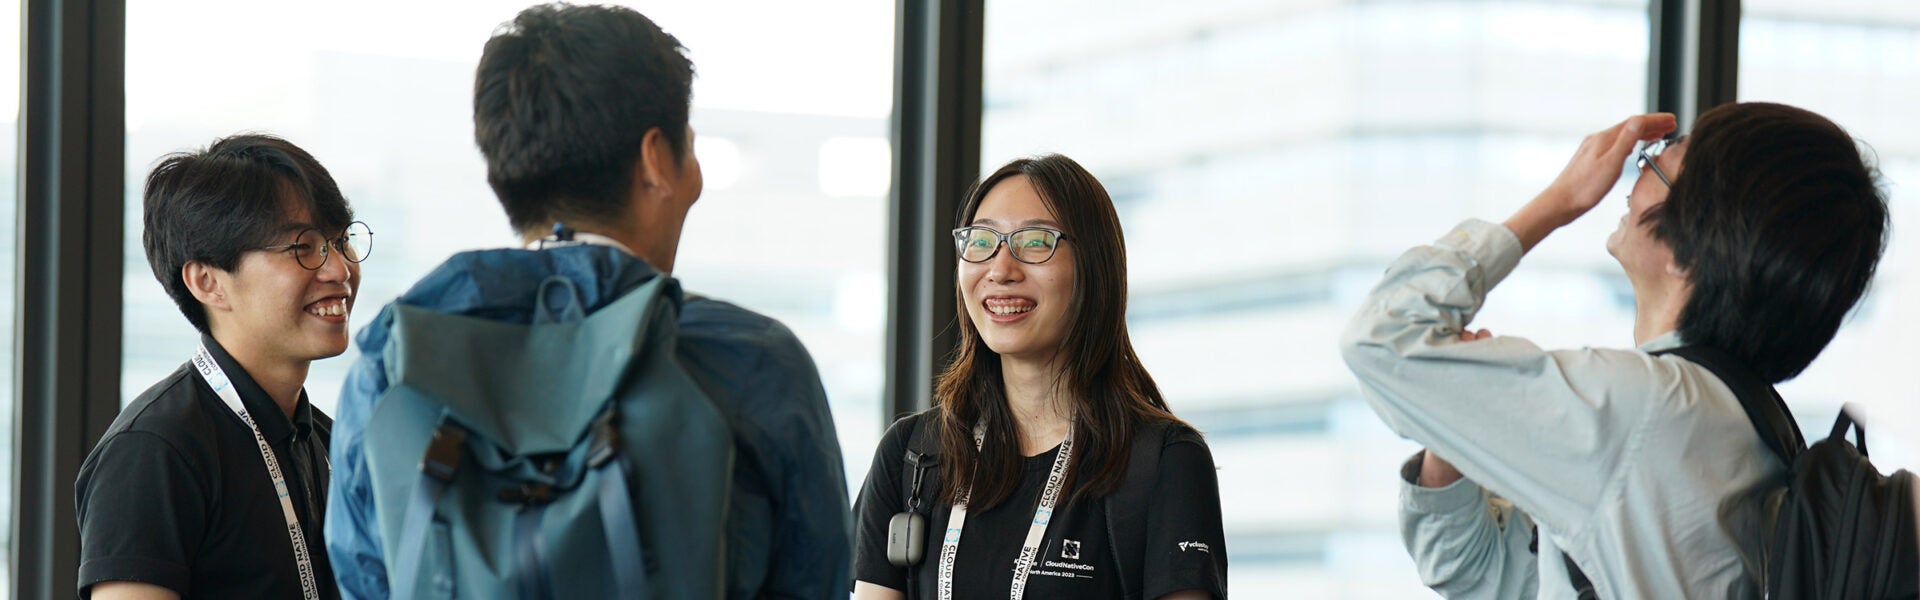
(1624, 460)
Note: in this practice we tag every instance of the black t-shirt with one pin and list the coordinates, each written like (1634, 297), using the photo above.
(1185, 546)
(177, 495)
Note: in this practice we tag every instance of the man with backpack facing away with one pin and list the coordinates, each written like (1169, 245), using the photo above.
(1631, 473)
(560, 421)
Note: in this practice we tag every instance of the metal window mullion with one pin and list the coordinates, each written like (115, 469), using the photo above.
(1694, 62)
(68, 282)
(936, 134)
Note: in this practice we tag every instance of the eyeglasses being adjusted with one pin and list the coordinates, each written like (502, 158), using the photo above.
(312, 249)
(1031, 245)
(1653, 151)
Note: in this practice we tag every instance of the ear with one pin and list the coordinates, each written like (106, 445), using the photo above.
(656, 169)
(1674, 269)
(207, 284)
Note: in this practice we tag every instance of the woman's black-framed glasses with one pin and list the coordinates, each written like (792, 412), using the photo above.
(312, 249)
(1653, 151)
(1031, 245)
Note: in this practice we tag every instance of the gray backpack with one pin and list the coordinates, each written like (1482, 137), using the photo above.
(572, 457)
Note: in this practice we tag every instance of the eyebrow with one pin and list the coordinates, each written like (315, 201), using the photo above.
(1022, 224)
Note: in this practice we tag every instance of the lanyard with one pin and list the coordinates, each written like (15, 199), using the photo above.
(576, 238)
(217, 379)
(1042, 516)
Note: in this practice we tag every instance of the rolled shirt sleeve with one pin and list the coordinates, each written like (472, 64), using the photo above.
(1466, 543)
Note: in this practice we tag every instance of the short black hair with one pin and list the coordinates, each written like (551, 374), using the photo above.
(1779, 222)
(213, 205)
(561, 101)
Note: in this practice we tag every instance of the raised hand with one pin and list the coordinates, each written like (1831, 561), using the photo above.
(1595, 167)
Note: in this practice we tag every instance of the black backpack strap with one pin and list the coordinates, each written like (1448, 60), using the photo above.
(1127, 506)
(922, 454)
(917, 469)
(1582, 587)
(1765, 409)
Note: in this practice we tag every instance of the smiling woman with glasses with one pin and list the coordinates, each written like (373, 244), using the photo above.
(1047, 433)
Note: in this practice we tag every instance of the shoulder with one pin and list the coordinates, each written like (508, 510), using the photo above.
(1164, 433)
(169, 427)
(747, 352)
(1655, 383)
(718, 321)
(918, 431)
(173, 410)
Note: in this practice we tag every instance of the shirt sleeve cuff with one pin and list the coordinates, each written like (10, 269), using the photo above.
(1453, 497)
(136, 569)
(1491, 245)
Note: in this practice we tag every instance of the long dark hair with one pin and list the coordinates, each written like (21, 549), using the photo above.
(1112, 394)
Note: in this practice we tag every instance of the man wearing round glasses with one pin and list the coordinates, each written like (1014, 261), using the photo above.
(213, 482)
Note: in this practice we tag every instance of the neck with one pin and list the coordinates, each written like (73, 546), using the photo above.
(1042, 413)
(280, 378)
(659, 253)
(1657, 309)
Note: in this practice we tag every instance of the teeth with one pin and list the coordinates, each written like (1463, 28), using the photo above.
(1008, 307)
(330, 309)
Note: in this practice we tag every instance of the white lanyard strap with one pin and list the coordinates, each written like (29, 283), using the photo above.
(1042, 516)
(579, 238)
(217, 379)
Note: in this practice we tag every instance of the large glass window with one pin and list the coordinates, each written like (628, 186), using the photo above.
(1268, 160)
(1856, 62)
(791, 131)
(8, 274)
(9, 268)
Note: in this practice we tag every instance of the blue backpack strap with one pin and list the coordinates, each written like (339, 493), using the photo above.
(529, 553)
(437, 468)
(616, 506)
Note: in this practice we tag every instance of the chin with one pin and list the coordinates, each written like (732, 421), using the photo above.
(328, 349)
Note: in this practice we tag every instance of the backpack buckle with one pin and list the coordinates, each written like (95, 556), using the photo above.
(443, 453)
(606, 440)
(528, 494)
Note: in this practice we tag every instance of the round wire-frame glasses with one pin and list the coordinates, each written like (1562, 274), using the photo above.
(311, 248)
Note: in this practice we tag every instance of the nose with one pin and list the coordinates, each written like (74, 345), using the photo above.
(1003, 268)
(335, 268)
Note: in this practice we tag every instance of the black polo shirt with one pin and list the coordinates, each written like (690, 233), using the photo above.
(177, 494)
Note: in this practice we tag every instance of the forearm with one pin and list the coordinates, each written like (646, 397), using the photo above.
(1436, 472)
(1538, 218)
